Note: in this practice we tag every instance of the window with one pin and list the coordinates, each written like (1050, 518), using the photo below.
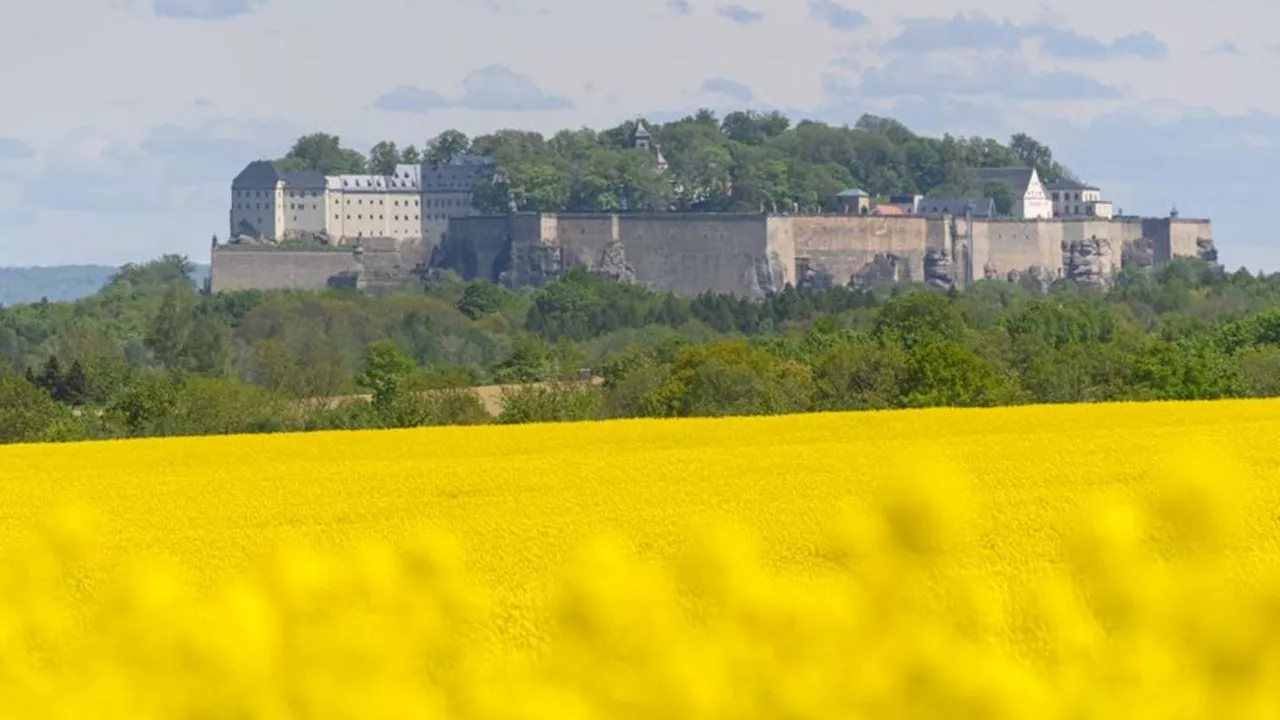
(359, 217)
(336, 217)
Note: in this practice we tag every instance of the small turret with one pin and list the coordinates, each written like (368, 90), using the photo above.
(642, 137)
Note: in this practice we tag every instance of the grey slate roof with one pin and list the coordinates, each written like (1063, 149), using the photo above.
(982, 207)
(1017, 178)
(263, 174)
(460, 175)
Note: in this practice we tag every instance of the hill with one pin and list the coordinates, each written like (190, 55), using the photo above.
(63, 283)
(742, 162)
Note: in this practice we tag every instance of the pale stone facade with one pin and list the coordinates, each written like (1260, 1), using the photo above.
(415, 202)
(1071, 198)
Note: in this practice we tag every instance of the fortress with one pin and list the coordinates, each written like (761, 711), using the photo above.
(379, 230)
(745, 254)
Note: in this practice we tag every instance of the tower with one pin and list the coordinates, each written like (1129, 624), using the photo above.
(642, 137)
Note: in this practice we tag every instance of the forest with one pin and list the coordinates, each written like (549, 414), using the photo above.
(150, 355)
(745, 161)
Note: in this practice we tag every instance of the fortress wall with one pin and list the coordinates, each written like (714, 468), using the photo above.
(1127, 229)
(1183, 233)
(1008, 245)
(584, 237)
(474, 246)
(277, 270)
(780, 245)
(844, 245)
(1175, 237)
(690, 253)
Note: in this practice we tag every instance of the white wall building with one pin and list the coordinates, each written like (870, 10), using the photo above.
(1029, 197)
(416, 201)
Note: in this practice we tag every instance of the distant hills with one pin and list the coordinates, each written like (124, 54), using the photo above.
(62, 283)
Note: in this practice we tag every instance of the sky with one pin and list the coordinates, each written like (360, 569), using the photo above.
(125, 120)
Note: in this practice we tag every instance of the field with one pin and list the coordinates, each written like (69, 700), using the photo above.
(1076, 561)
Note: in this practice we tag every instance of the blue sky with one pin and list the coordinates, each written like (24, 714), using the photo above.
(155, 104)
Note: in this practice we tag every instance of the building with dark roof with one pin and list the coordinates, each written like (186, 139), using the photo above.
(975, 207)
(1030, 201)
(414, 201)
(1072, 198)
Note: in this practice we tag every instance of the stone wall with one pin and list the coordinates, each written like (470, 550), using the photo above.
(863, 249)
(238, 269)
(745, 254)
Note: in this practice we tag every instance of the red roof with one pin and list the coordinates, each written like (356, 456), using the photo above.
(888, 210)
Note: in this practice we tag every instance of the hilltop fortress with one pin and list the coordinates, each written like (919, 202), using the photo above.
(371, 230)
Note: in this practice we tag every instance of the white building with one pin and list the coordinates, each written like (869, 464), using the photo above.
(414, 202)
(1072, 198)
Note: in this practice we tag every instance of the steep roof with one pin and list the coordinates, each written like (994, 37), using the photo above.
(853, 192)
(452, 177)
(978, 207)
(257, 174)
(641, 130)
(1017, 178)
(264, 174)
(303, 179)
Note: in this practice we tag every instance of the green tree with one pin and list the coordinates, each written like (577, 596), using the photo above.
(480, 298)
(1001, 194)
(446, 147)
(918, 317)
(387, 373)
(383, 158)
(324, 153)
(27, 413)
(410, 155)
(171, 326)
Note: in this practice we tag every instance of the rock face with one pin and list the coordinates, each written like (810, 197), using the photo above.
(1140, 253)
(1087, 262)
(1206, 250)
(809, 277)
(939, 269)
(883, 268)
(613, 263)
(1036, 278)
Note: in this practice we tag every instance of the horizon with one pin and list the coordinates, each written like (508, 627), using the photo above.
(1134, 104)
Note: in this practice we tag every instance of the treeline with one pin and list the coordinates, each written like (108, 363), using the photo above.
(744, 161)
(149, 356)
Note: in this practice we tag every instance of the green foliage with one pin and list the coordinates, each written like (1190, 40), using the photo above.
(1001, 194)
(388, 374)
(481, 298)
(149, 356)
(550, 402)
(27, 413)
(323, 152)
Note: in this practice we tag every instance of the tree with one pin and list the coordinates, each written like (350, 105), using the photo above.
(387, 373)
(1001, 194)
(446, 147)
(918, 317)
(383, 158)
(324, 153)
(171, 326)
(480, 298)
(26, 412)
(410, 155)
(75, 385)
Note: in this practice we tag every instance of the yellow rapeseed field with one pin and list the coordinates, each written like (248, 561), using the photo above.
(1109, 561)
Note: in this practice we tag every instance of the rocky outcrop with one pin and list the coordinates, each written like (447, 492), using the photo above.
(883, 268)
(1206, 250)
(1036, 278)
(1088, 262)
(809, 277)
(939, 269)
(1140, 253)
(613, 263)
